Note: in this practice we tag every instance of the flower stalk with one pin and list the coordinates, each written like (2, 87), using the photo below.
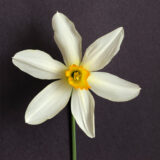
(73, 127)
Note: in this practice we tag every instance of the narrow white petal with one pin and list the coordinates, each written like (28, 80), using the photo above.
(112, 87)
(67, 38)
(82, 107)
(101, 52)
(48, 103)
(38, 64)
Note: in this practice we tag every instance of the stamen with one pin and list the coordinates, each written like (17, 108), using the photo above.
(76, 76)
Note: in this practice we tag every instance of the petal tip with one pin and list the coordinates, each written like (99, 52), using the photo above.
(121, 30)
(57, 14)
(56, 17)
(92, 136)
(27, 120)
(139, 89)
(14, 60)
(13, 57)
(137, 92)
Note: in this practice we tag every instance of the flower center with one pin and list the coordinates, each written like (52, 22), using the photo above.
(77, 77)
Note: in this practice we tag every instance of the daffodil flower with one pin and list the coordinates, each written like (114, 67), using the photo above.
(76, 77)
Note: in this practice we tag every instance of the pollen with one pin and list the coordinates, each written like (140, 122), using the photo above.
(77, 77)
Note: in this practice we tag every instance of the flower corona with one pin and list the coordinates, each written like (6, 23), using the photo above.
(77, 77)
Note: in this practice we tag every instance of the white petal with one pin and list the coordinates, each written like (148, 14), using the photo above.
(82, 107)
(67, 38)
(112, 87)
(39, 64)
(101, 52)
(48, 103)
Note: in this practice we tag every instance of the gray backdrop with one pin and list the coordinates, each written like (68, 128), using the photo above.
(124, 131)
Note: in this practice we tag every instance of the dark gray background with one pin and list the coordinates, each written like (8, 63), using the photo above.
(124, 131)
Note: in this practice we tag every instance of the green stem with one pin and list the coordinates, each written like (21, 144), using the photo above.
(74, 152)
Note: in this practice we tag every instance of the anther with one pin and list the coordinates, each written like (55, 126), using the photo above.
(76, 76)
